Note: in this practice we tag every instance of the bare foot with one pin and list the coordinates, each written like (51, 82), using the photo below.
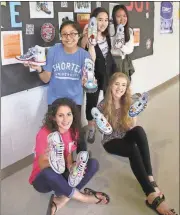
(163, 208)
(59, 202)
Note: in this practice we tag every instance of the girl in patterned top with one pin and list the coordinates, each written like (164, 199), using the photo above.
(129, 140)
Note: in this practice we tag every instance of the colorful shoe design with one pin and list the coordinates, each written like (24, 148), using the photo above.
(42, 6)
(138, 106)
(101, 121)
(92, 31)
(90, 86)
(35, 55)
(120, 37)
(77, 173)
(56, 154)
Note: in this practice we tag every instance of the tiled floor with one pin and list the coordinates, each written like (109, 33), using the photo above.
(161, 122)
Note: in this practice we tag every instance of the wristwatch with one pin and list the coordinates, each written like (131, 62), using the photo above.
(42, 70)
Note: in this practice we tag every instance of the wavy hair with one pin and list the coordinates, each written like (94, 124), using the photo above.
(51, 124)
(125, 102)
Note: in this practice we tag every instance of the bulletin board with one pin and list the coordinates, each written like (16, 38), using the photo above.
(26, 19)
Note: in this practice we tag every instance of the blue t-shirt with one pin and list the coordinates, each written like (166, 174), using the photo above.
(67, 71)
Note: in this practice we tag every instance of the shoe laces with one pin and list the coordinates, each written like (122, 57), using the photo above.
(31, 51)
(59, 151)
(80, 168)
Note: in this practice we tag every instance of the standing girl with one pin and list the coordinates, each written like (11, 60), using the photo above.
(104, 63)
(121, 55)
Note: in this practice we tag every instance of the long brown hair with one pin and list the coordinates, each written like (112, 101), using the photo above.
(125, 102)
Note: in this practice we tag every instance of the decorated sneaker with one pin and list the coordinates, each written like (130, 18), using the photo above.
(77, 172)
(90, 86)
(56, 154)
(92, 31)
(42, 6)
(101, 121)
(35, 55)
(120, 37)
(138, 106)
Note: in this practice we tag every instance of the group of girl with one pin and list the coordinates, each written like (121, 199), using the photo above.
(64, 73)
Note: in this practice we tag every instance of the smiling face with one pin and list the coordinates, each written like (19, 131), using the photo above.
(119, 88)
(64, 118)
(69, 36)
(102, 21)
(121, 17)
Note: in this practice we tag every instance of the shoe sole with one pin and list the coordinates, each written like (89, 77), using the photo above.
(142, 100)
(32, 62)
(75, 181)
(104, 121)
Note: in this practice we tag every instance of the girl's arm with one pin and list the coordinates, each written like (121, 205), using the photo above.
(128, 48)
(69, 161)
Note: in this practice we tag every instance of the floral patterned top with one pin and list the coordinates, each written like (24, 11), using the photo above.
(115, 134)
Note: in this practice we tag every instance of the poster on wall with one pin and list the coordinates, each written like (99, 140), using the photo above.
(166, 16)
(83, 19)
(136, 32)
(11, 46)
(41, 9)
(82, 7)
(64, 16)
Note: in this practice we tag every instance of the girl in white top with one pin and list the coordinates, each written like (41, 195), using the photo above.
(123, 61)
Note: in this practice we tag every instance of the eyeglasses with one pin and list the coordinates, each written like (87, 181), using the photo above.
(72, 35)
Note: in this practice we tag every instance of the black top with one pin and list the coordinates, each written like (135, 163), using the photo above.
(104, 67)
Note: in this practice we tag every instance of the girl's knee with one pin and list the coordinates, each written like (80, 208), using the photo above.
(138, 129)
(93, 164)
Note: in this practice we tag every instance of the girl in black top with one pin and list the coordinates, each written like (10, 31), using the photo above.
(104, 63)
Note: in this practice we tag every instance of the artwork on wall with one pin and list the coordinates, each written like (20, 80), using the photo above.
(82, 7)
(166, 16)
(98, 4)
(11, 46)
(83, 19)
(41, 9)
(64, 4)
(29, 29)
(136, 32)
(63, 16)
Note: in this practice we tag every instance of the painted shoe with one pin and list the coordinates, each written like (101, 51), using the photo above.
(77, 172)
(35, 55)
(138, 106)
(92, 31)
(56, 154)
(43, 6)
(90, 86)
(120, 37)
(101, 121)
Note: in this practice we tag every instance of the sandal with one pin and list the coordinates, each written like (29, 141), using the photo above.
(89, 191)
(156, 202)
(51, 204)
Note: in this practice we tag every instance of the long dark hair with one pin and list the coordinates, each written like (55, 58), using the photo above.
(51, 124)
(126, 27)
(95, 13)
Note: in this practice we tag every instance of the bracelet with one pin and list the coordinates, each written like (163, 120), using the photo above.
(41, 71)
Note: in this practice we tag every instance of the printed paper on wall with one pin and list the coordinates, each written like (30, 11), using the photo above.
(11, 46)
(41, 9)
(83, 19)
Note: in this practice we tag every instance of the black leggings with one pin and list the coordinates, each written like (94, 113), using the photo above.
(91, 101)
(135, 146)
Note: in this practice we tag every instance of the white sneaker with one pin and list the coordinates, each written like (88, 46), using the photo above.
(77, 173)
(101, 121)
(90, 86)
(56, 154)
(92, 31)
(35, 55)
(120, 37)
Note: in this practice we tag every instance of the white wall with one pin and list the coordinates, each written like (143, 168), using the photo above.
(22, 113)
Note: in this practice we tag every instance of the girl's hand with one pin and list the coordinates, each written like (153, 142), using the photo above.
(34, 67)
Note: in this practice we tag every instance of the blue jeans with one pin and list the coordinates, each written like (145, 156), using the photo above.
(48, 180)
